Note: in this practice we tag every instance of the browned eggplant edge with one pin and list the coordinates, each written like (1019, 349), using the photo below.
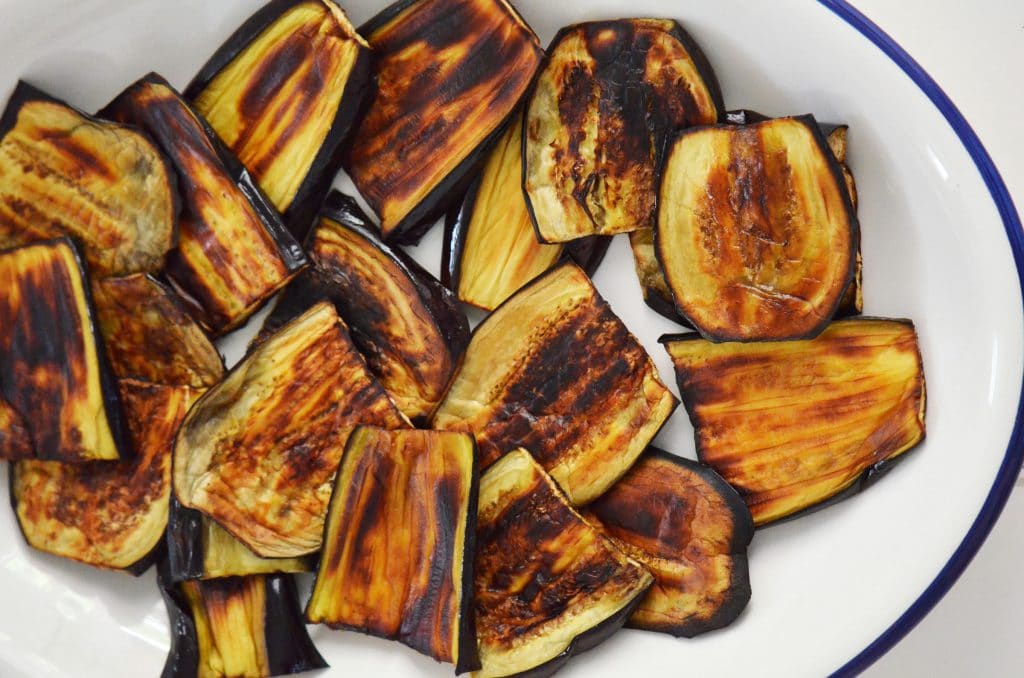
(300, 214)
(808, 121)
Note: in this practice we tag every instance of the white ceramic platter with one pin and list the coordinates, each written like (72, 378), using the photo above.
(936, 249)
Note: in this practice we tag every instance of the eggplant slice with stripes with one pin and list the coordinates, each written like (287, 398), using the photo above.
(792, 424)
(554, 370)
(54, 375)
(234, 252)
(259, 451)
(548, 584)
(450, 73)
(386, 575)
(283, 93)
(106, 185)
(691, 530)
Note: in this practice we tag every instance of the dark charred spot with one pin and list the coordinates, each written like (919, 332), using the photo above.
(86, 159)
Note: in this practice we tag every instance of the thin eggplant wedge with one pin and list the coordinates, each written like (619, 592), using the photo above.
(691, 530)
(449, 74)
(283, 93)
(554, 370)
(608, 97)
(793, 424)
(657, 294)
(54, 378)
(259, 451)
(149, 335)
(386, 575)
(548, 583)
(756, 233)
(109, 515)
(236, 626)
(404, 322)
(853, 300)
(63, 172)
(234, 252)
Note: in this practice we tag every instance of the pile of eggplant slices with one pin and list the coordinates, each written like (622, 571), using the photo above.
(487, 498)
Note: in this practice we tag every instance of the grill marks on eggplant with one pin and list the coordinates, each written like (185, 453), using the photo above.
(65, 173)
(398, 548)
(791, 424)
(449, 74)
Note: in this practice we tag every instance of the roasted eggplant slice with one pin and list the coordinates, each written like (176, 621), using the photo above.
(233, 252)
(555, 370)
(150, 336)
(247, 627)
(756, 234)
(406, 324)
(107, 186)
(54, 377)
(853, 300)
(691, 530)
(109, 515)
(259, 451)
(15, 437)
(548, 584)
(603, 105)
(283, 93)
(791, 424)
(449, 74)
(384, 574)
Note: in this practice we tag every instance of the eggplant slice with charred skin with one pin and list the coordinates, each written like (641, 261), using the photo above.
(259, 451)
(386, 575)
(234, 252)
(63, 172)
(792, 424)
(602, 107)
(110, 515)
(853, 301)
(15, 437)
(554, 370)
(404, 322)
(756, 234)
(691, 530)
(548, 584)
(54, 375)
(450, 73)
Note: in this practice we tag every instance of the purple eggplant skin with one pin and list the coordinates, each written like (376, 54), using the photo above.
(355, 99)
(184, 543)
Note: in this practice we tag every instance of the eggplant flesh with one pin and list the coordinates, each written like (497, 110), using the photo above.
(548, 584)
(233, 251)
(15, 437)
(450, 73)
(65, 173)
(555, 370)
(792, 424)
(853, 301)
(259, 451)
(381, 574)
(691, 530)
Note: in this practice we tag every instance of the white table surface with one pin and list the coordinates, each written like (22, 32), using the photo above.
(975, 51)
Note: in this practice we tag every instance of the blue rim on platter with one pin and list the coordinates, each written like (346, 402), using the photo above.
(1010, 467)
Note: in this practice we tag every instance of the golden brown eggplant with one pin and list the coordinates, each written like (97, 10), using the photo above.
(449, 75)
(691, 530)
(756, 234)
(54, 376)
(110, 515)
(65, 173)
(853, 301)
(548, 584)
(283, 93)
(15, 437)
(384, 574)
(791, 424)
(610, 94)
(149, 335)
(234, 252)
(259, 451)
(555, 370)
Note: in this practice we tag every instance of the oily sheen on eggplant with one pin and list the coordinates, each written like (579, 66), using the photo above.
(63, 172)
(450, 73)
(554, 370)
(792, 424)
(548, 584)
(385, 574)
